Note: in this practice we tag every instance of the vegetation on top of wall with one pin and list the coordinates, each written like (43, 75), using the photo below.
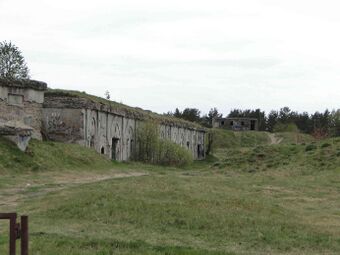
(152, 149)
(23, 83)
(129, 111)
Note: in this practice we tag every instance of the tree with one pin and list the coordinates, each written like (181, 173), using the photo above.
(12, 63)
(272, 120)
(207, 119)
(191, 114)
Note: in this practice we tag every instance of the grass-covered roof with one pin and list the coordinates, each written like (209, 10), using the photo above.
(23, 83)
(128, 111)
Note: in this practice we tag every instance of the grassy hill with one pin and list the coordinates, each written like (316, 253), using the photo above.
(230, 139)
(293, 158)
(250, 198)
(48, 156)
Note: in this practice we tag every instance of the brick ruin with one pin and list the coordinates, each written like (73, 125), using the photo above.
(28, 110)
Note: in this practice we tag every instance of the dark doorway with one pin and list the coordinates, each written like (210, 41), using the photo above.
(102, 150)
(114, 148)
(252, 124)
(131, 149)
(199, 151)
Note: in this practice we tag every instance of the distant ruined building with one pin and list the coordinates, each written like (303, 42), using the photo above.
(236, 124)
(28, 109)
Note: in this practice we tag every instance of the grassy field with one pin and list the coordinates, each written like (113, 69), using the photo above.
(258, 198)
(48, 156)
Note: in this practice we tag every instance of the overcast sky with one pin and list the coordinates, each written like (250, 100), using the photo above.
(160, 55)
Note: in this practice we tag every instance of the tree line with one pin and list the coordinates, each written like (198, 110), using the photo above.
(321, 124)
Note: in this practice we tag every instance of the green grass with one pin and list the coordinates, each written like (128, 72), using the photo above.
(265, 199)
(48, 156)
(294, 138)
(230, 139)
(292, 158)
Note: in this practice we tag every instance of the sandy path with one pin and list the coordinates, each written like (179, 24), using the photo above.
(274, 139)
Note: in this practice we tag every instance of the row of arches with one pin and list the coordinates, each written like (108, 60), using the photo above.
(114, 136)
(111, 140)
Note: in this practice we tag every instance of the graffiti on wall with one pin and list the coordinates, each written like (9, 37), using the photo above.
(57, 126)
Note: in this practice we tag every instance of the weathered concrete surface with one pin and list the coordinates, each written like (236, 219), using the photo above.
(17, 132)
(109, 132)
(236, 124)
(107, 127)
(21, 100)
(64, 125)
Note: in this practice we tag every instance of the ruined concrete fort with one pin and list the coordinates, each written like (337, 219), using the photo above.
(29, 110)
(236, 124)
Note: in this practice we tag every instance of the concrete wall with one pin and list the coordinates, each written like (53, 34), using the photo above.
(23, 105)
(111, 134)
(191, 139)
(236, 124)
(63, 125)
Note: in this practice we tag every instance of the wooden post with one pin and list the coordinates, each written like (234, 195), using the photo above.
(12, 234)
(24, 235)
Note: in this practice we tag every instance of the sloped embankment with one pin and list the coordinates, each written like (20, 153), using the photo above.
(303, 158)
(46, 156)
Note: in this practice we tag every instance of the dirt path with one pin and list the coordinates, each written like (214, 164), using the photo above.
(32, 187)
(274, 139)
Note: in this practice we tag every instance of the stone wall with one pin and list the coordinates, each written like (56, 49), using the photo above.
(108, 129)
(108, 132)
(63, 125)
(21, 101)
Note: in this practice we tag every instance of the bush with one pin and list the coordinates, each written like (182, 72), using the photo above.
(325, 145)
(310, 147)
(289, 127)
(152, 149)
(172, 154)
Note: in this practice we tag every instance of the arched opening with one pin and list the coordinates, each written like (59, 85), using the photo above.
(114, 147)
(199, 151)
(102, 150)
(131, 149)
(116, 142)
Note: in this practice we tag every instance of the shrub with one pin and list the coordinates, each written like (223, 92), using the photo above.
(147, 141)
(310, 147)
(286, 127)
(172, 154)
(152, 149)
(325, 145)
